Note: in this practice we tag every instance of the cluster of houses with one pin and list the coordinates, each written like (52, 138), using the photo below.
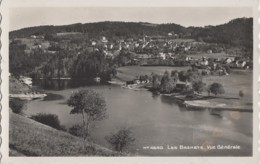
(148, 46)
(143, 49)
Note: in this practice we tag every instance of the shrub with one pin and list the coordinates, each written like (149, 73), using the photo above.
(51, 120)
(120, 139)
(18, 106)
(77, 130)
(241, 94)
(216, 88)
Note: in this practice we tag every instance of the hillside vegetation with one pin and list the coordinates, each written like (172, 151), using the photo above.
(30, 138)
(16, 86)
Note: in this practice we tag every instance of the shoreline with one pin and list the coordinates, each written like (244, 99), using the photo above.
(189, 104)
(197, 104)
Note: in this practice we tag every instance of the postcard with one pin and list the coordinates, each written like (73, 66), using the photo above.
(130, 82)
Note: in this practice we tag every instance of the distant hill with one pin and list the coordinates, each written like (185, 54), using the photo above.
(237, 32)
(108, 29)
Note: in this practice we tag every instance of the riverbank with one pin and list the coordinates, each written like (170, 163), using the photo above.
(30, 138)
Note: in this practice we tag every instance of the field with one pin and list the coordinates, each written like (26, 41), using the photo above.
(68, 33)
(30, 42)
(30, 138)
(233, 83)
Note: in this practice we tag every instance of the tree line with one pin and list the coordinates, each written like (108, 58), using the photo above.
(63, 63)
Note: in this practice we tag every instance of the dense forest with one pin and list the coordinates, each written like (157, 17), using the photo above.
(237, 32)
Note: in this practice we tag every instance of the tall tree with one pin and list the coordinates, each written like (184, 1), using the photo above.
(90, 105)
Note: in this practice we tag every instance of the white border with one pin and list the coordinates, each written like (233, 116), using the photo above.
(6, 4)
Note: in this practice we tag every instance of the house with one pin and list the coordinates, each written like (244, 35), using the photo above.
(209, 51)
(104, 39)
(137, 81)
(228, 60)
(188, 58)
(93, 43)
(110, 46)
(33, 36)
(181, 86)
(143, 56)
(136, 45)
(240, 63)
(162, 56)
(204, 61)
(97, 79)
(26, 80)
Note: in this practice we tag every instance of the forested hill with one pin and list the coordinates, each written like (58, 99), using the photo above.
(237, 32)
(108, 29)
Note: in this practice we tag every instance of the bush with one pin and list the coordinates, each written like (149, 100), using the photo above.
(77, 130)
(241, 94)
(18, 106)
(216, 88)
(120, 139)
(51, 120)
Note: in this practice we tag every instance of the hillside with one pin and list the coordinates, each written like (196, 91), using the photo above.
(16, 86)
(108, 29)
(30, 138)
(237, 32)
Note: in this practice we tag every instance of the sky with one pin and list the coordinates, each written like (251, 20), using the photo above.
(194, 16)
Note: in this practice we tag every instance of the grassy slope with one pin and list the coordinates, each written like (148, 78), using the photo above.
(30, 138)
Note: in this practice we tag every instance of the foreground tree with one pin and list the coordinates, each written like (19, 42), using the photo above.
(120, 139)
(216, 88)
(90, 105)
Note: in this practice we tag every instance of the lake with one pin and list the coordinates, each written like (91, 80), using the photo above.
(157, 122)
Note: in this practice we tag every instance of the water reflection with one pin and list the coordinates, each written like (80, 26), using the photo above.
(61, 84)
(53, 97)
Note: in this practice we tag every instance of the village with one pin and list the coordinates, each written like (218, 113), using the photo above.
(209, 59)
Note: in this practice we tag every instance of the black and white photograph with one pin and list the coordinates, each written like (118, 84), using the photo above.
(131, 81)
